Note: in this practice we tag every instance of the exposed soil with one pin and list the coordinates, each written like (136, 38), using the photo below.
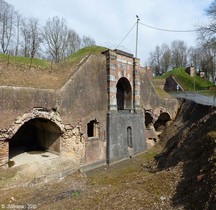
(24, 76)
(183, 177)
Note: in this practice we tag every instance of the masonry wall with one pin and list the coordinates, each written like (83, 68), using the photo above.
(150, 100)
(4, 151)
(84, 98)
(125, 127)
(117, 145)
(16, 101)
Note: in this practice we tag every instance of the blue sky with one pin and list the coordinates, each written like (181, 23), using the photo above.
(108, 21)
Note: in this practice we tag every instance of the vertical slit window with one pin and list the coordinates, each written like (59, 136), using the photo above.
(129, 137)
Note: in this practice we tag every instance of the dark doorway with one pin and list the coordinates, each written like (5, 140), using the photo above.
(93, 128)
(124, 94)
(148, 120)
(161, 123)
(36, 134)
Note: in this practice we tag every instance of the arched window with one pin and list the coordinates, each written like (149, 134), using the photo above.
(129, 137)
(124, 94)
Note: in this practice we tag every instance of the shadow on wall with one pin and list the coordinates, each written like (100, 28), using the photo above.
(193, 145)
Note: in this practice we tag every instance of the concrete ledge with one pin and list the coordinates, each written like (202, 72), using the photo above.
(92, 166)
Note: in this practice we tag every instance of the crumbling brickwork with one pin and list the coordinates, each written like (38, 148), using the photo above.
(107, 93)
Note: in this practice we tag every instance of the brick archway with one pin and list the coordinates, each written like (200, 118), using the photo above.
(50, 115)
(124, 94)
(41, 126)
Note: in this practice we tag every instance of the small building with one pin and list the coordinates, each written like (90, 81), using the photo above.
(190, 70)
(172, 85)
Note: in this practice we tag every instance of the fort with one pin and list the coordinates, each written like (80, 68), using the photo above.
(106, 111)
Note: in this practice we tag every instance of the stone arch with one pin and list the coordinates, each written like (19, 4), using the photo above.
(51, 115)
(124, 94)
(149, 119)
(38, 130)
(162, 120)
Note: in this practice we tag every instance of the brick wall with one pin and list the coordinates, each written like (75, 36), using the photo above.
(3, 152)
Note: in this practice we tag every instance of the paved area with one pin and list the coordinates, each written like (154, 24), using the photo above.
(197, 97)
(31, 157)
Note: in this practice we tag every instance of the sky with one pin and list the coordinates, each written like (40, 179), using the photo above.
(109, 21)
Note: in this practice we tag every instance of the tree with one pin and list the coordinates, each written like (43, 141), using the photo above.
(88, 41)
(6, 25)
(179, 53)
(165, 58)
(195, 56)
(31, 37)
(207, 38)
(207, 31)
(73, 42)
(154, 60)
(55, 35)
(17, 24)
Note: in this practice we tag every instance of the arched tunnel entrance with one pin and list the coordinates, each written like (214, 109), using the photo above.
(35, 135)
(148, 120)
(151, 135)
(162, 121)
(124, 94)
(155, 128)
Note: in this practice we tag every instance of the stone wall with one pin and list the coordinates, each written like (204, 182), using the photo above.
(88, 95)
(16, 101)
(118, 145)
(151, 101)
(73, 144)
(4, 151)
(125, 126)
(82, 99)
(171, 85)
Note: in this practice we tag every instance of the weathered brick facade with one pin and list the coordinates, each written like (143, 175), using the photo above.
(125, 119)
(97, 116)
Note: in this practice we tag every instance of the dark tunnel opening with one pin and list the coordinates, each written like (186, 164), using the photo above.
(148, 120)
(36, 135)
(161, 122)
(124, 94)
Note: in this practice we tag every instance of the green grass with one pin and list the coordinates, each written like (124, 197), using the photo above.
(24, 61)
(76, 57)
(186, 81)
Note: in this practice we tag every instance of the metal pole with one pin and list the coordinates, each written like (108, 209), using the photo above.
(194, 82)
(137, 35)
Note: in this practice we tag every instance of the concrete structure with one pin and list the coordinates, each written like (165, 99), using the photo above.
(190, 70)
(171, 85)
(125, 118)
(96, 117)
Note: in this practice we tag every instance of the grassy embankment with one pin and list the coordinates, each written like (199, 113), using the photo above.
(27, 72)
(187, 82)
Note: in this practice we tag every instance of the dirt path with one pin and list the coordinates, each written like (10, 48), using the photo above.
(183, 178)
(126, 185)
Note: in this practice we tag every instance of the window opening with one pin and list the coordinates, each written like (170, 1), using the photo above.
(124, 94)
(129, 137)
(93, 129)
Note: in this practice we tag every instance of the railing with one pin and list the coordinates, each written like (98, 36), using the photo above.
(197, 97)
